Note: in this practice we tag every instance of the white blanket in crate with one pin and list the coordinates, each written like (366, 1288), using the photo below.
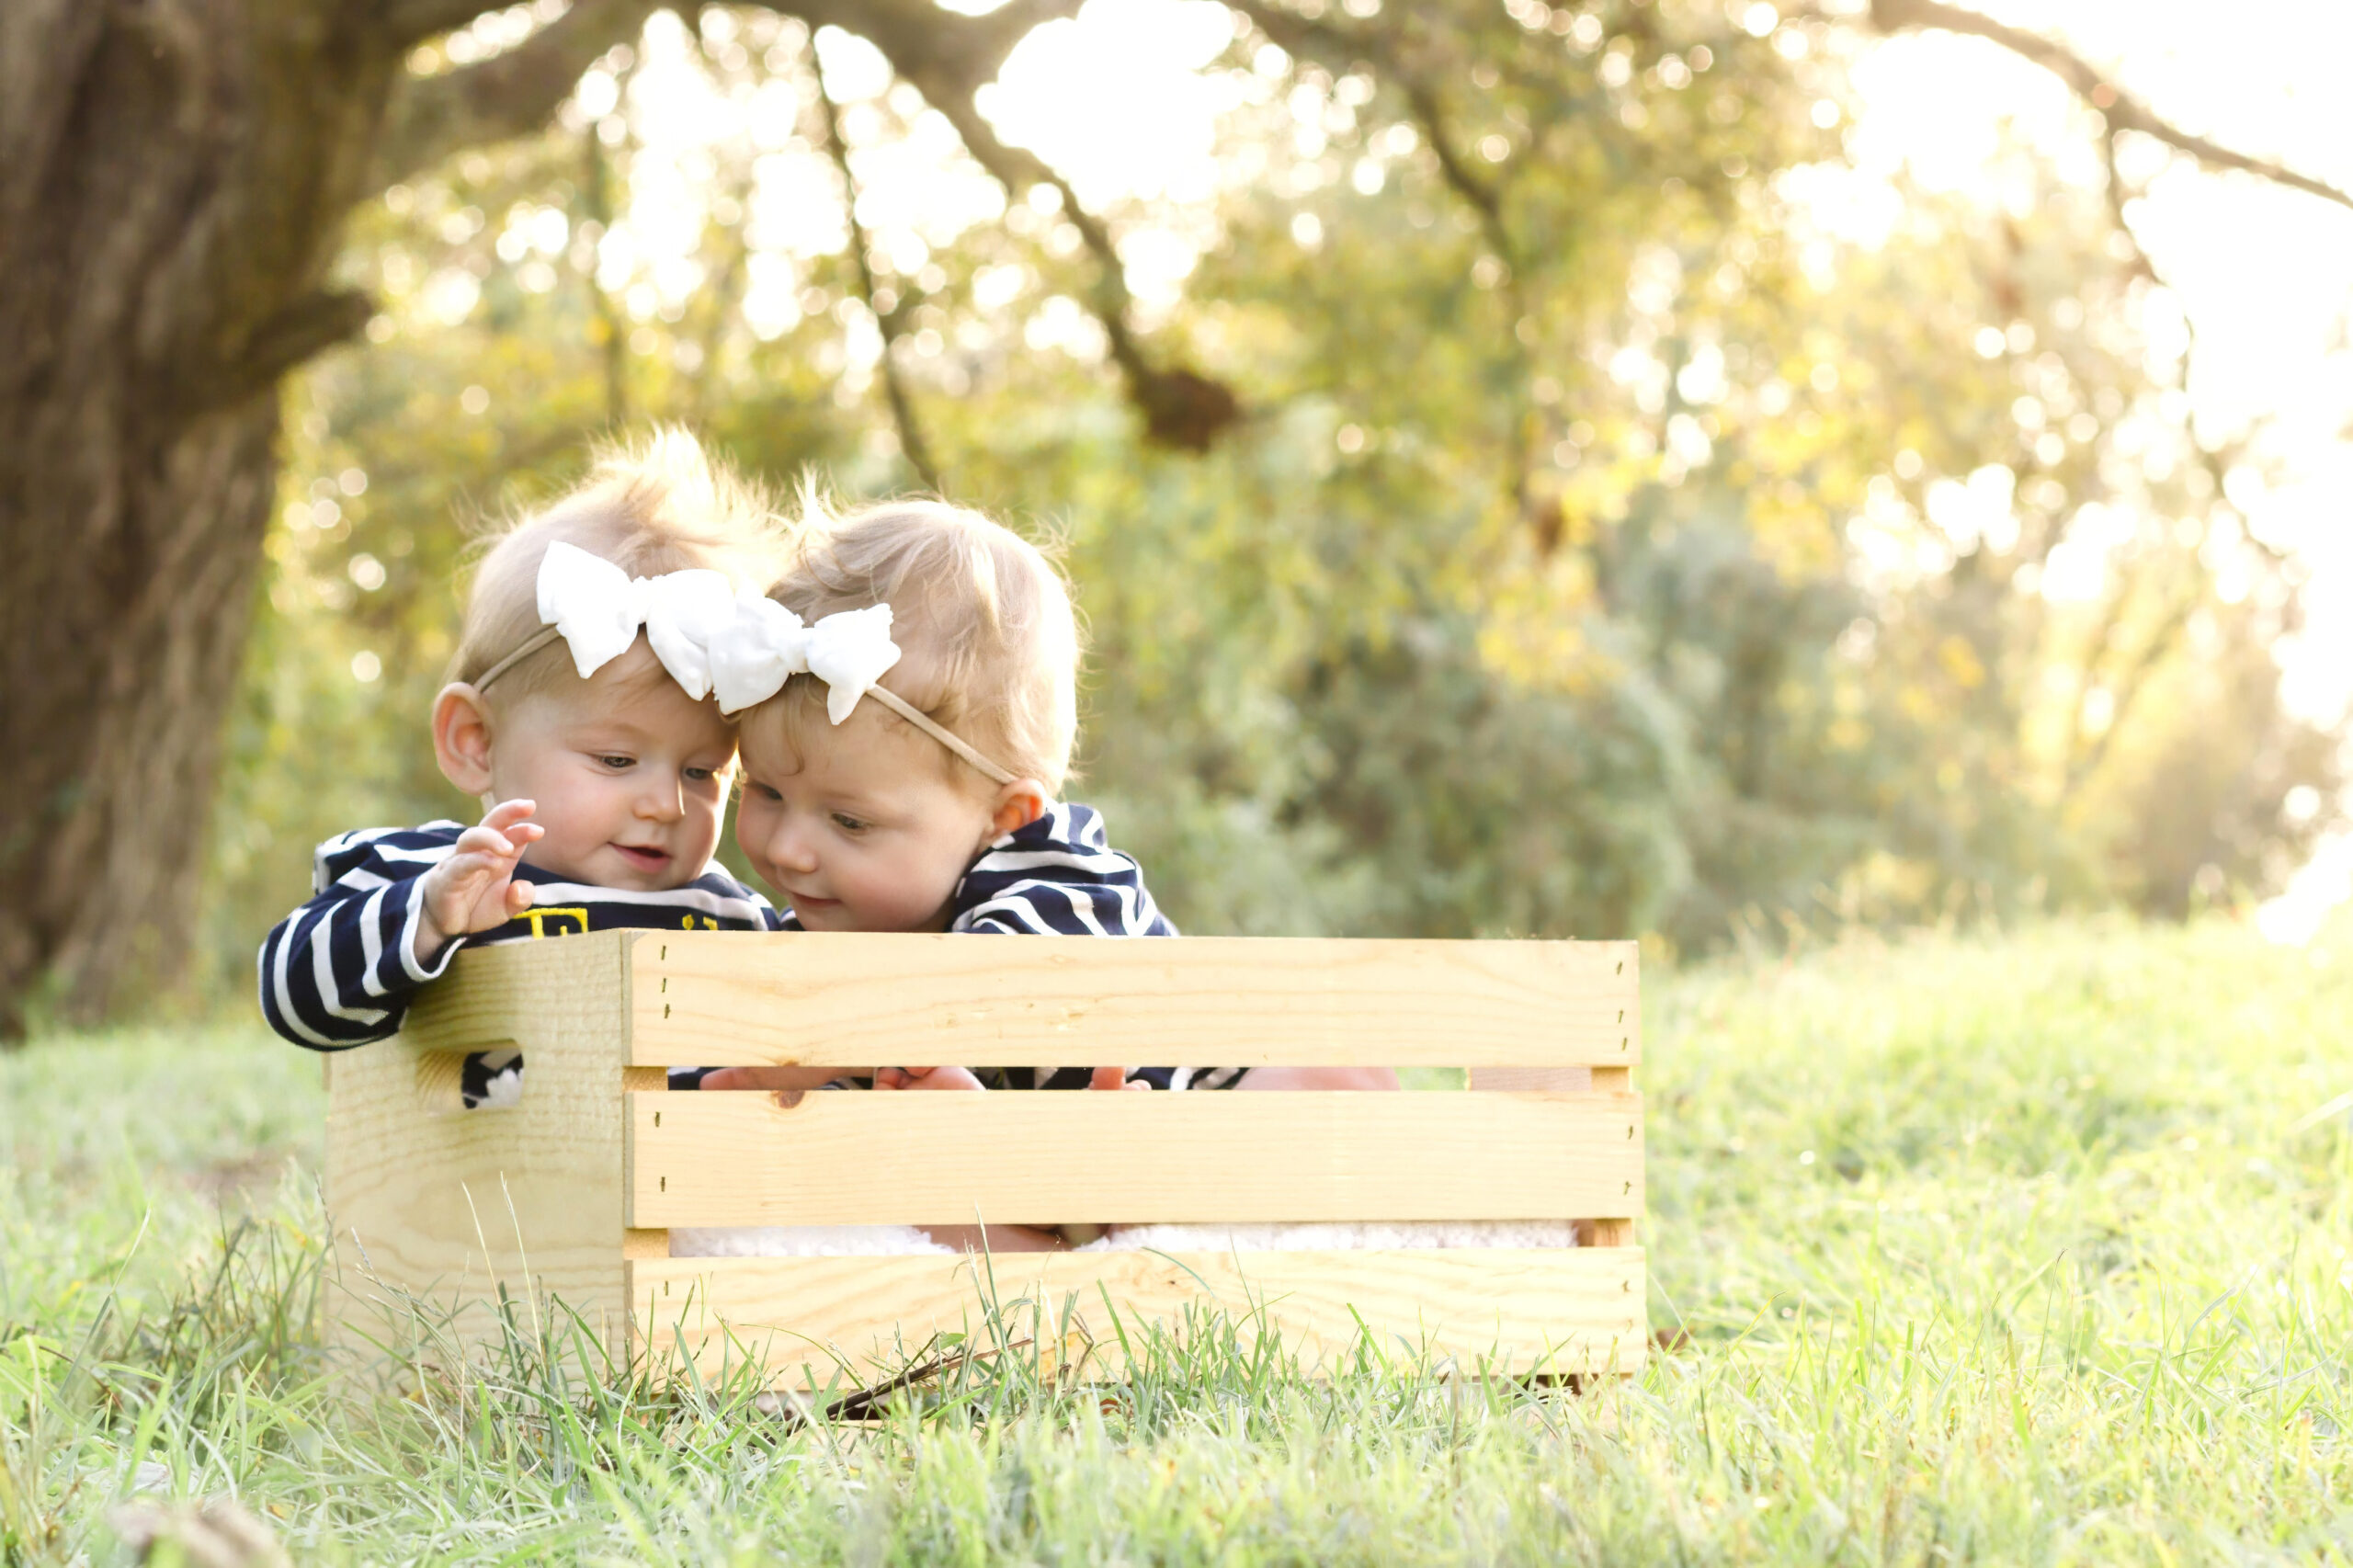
(882, 1241)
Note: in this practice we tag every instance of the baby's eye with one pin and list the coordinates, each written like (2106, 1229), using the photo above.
(615, 761)
(849, 823)
(765, 791)
(700, 775)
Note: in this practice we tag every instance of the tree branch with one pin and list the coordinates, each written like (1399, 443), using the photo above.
(608, 331)
(1181, 407)
(311, 324)
(403, 23)
(902, 410)
(2215, 461)
(1338, 48)
(944, 53)
(2130, 683)
(949, 58)
(2123, 112)
(507, 96)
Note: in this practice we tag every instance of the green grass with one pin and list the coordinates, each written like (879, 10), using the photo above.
(2002, 1251)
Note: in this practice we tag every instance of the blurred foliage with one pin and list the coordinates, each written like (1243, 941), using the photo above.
(1640, 523)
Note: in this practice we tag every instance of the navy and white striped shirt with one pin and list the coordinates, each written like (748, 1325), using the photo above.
(1058, 877)
(342, 970)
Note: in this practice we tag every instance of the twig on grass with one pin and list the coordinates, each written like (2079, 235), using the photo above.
(863, 1404)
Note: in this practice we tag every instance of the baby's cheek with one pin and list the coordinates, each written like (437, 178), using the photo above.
(753, 820)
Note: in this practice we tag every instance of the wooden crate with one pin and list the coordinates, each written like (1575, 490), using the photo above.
(572, 1194)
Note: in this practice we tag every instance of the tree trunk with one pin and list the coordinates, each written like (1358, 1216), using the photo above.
(173, 177)
(172, 180)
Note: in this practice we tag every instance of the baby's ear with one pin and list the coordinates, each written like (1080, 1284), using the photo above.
(461, 737)
(1018, 804)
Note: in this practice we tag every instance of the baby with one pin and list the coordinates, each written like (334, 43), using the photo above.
(909, 781)
(603, 768)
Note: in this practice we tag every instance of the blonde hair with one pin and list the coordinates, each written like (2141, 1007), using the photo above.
(989, 641)
(654, 505)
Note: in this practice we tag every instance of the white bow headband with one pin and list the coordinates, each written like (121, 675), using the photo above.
(739, 646)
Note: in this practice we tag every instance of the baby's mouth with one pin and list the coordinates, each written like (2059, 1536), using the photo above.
(644, 860)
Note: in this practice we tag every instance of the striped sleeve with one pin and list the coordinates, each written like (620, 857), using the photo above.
(1058, 877)
(340, 971)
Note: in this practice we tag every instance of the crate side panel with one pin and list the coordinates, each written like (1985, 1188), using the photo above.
(448, 1207)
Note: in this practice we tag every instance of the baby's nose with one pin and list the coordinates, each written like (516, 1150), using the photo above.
(793, 849)
(662, 803)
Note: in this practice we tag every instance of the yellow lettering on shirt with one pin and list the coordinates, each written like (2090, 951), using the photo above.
(557, 922)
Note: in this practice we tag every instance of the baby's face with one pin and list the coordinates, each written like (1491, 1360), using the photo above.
(630, 775)
(857, 825)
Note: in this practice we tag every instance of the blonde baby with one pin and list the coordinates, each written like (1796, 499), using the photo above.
(907, 772)
(578, 713)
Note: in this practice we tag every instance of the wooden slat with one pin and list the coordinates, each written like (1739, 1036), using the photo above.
(1618, 1231)
(848, 1320)
(742, 1159)
(723, 998)
(1565, 1080)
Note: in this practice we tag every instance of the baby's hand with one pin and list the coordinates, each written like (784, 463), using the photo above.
(926, 1078)
(1113, 1078)
(785, 1080)
(474, 889)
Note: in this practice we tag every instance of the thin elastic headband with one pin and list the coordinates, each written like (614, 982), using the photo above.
(531, 645)
(939, 733)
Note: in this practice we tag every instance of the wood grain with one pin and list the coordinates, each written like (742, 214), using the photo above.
(851, 1320)
(723, 998)
(448, 1209)
(498, 995)
(1561, 1080)
(742, 1159)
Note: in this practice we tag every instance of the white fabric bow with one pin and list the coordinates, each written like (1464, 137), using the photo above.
(849, 651)
(597, 608)
(741, 646)
(766, 644)
(760, 649)
(738, 646)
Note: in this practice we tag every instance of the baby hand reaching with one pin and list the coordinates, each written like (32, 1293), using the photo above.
(926, 1078)
(474, 889)
(1114, 1078)
(781, 1080)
